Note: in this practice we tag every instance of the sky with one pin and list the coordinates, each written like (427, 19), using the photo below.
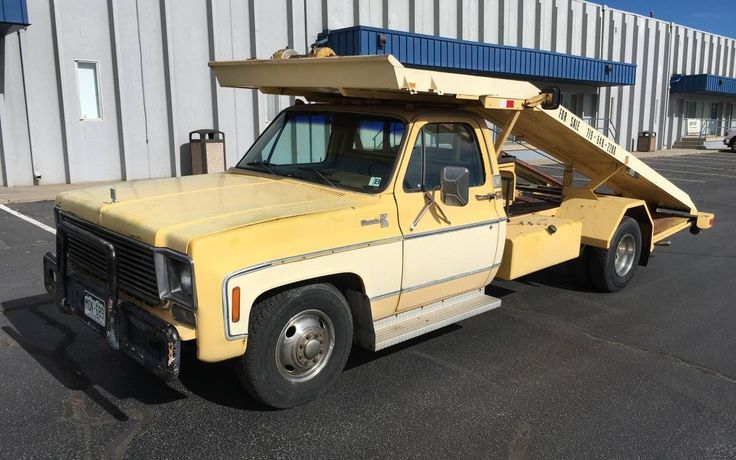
(716, 16)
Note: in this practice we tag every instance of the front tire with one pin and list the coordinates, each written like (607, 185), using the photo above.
(612, 269)
(298, 343)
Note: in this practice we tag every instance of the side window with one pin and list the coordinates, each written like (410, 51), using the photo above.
(439, 145)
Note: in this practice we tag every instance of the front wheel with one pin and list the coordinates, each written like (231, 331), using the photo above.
(298, 343)
(612, 269)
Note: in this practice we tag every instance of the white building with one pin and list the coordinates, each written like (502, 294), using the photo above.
(98, 90)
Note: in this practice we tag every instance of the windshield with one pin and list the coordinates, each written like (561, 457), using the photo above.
(344, 150)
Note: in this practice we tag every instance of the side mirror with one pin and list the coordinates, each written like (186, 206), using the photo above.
(455, 185)
(553, 98)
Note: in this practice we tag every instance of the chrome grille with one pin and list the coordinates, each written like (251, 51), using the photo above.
(136, 266)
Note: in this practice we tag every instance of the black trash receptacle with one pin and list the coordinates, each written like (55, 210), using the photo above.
(207, 147)
(647, 142)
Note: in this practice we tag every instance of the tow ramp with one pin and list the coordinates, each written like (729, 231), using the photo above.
(513, 106)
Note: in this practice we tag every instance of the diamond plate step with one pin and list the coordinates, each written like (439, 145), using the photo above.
(407, 325)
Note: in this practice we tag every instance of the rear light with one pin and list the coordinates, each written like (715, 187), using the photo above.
(236, 305)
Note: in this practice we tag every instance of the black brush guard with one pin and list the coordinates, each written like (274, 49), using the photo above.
(148, 339)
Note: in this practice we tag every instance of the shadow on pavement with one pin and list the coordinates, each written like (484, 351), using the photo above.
(569, 276)
(43, 332)
(81, 361)
(360, 356)
(217, 383)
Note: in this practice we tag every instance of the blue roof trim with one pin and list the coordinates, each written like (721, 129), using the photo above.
(13, 15)
(703, 83)
(440, 53)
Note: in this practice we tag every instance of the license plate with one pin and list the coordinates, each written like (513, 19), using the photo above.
(94, 308)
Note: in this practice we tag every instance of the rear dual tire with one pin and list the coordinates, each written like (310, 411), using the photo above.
(610, 270)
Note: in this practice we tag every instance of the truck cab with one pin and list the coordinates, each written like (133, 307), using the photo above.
(378, 213)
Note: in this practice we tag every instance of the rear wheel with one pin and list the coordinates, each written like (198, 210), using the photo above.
(612, 269)
(733, 145)
(298, 343)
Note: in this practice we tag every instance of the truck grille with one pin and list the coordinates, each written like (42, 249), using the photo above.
(136, 266)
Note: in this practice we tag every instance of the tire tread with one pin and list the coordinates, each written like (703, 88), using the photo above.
(255, 380)
(602, 275)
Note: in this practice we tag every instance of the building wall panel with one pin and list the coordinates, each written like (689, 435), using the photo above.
(44, 110)
(156, 86)
(154, 80)
(94, 145)
(16, 149)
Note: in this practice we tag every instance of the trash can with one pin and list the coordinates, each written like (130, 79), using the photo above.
(647, 142)
(207, 147)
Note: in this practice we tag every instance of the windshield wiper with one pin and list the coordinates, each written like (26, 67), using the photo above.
(319, 173)
(263, 164)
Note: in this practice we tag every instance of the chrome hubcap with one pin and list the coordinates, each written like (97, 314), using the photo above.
(305, 345)
(625, 253)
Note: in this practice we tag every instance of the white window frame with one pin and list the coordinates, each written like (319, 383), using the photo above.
(96, 63)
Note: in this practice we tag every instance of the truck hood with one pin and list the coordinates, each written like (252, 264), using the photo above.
(171, 212)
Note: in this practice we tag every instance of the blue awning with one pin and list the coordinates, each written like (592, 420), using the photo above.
(704, 84)
(439, 53)
(13, 16)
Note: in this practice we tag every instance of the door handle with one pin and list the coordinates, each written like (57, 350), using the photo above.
(488, 197)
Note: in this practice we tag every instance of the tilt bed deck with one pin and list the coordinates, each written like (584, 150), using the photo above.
(514, 106)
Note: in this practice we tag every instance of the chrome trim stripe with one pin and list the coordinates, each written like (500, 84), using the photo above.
(326, 252)
(434, 283)
(329, 252)
(310, 255)
(449, 278)
(225, 304)
(385, 296)
(454, 229)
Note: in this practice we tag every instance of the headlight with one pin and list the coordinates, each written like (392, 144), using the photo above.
(181, 276)
(175, 278)
(185, 279)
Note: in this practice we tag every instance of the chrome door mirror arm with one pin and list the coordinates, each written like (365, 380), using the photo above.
(429, 201)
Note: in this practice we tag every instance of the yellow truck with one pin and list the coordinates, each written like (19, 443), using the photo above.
(378, 212)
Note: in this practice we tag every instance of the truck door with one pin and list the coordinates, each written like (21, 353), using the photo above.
(449, 249)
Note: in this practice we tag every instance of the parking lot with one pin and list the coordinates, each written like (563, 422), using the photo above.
(557, 371)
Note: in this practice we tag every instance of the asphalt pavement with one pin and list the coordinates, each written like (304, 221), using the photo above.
(556, 372)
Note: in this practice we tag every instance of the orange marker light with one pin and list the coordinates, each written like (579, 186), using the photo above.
(236, 304)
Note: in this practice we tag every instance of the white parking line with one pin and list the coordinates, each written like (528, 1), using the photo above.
(668, 178)
(697, 173)
(676, 179)
(689, 165)
(28, 219)
(713, 156)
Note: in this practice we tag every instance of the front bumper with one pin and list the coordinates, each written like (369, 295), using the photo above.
(148, 339)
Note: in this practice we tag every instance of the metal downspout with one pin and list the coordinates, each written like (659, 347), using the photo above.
(666, 96)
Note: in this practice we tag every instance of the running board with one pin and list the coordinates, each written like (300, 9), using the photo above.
(413, 323)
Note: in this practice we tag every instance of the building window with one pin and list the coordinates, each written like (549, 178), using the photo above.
(691, 109)
(88, 81)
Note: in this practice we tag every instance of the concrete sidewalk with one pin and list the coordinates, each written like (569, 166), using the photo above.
(32, 193)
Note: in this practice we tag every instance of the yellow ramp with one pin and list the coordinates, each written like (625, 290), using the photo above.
(558, 132)
(567, 138)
